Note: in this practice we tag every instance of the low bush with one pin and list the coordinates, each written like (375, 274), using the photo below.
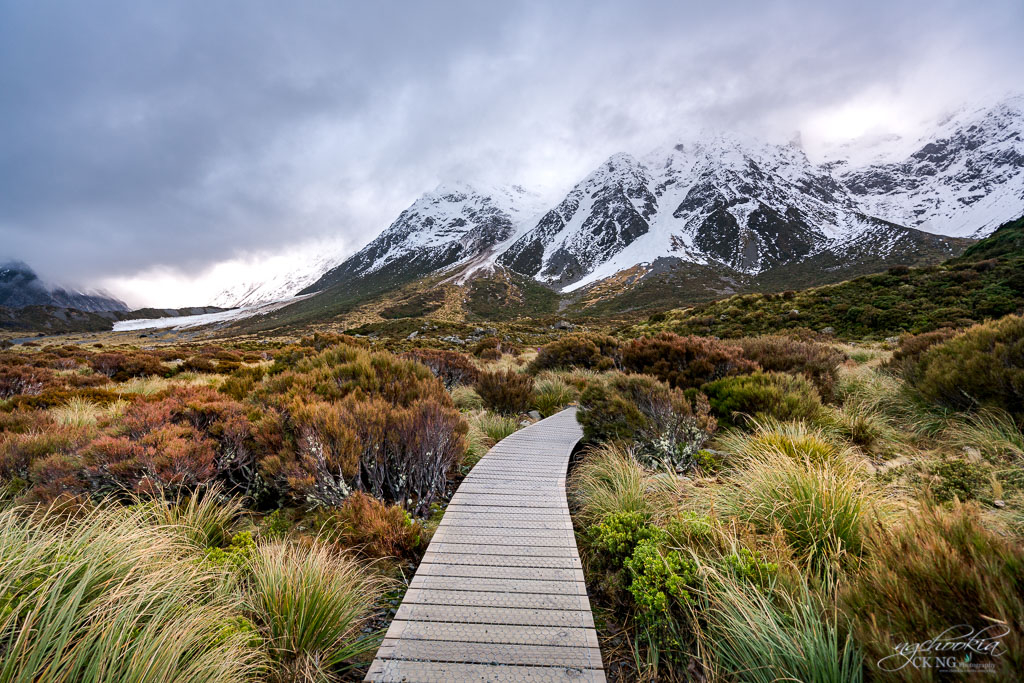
(372, 528)
(22, 381)
(938, 570)
(667, 429)
(905, 359)
(684, 362)
(122, 366)
(762, 395)
(505, 391)
(589, 351)
(451, 367)
(957, 478)
(981, 368)
(817, 362)
(489, 348)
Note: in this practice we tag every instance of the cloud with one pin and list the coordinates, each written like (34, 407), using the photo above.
(143, 137)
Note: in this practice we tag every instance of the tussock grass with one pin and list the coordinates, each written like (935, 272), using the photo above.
(313, 604)
(794, 479)
(552, 394)
(496, 427)
(466, 398)
(773, 635)
(993, 432)
(208, 519)
(798, 441)
(610, 480)
(103, 595)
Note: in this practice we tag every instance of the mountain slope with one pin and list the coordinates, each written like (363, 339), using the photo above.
(20, 287)
(986, 282)
(452, 224)
(963, 179)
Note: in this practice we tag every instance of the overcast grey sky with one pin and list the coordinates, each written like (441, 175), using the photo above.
(141, 143)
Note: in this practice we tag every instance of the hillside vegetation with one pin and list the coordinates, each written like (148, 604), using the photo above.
(987, 281)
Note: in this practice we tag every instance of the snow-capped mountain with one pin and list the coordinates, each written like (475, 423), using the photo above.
(742, 204)
(726, 204)
(450, 225)
(965, 178)
(21, 287)
(279, 285)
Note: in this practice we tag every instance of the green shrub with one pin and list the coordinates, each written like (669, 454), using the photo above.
(666, 429)
(684, 362)
(238, 554)
(506, 392)
(658, 580)
(940, 569)
(613, 540)
(590, 351)
(983, 367)
(762, 395)
(551, 395)
(958, 479)
(817, 362)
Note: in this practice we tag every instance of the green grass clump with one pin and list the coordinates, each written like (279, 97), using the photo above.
(821, 504)
(104, 595)
(466, 398)
(770, 636)
(313, 604)
(609, 480)
(552, 394)
(496, 427)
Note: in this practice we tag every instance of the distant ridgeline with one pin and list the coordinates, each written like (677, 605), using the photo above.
(986, 281)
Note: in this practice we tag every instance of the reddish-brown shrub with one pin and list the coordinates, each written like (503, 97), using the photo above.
(373, 528)
(22, 381)
(121, 366)
(491, 348)
(817, 362)
(325, 340)
(451, 367)
(591, 351)
(198, 364)
(684, 362)
(400, 454)
(505, 391)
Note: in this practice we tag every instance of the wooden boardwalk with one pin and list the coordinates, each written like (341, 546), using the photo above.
(500, 595)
